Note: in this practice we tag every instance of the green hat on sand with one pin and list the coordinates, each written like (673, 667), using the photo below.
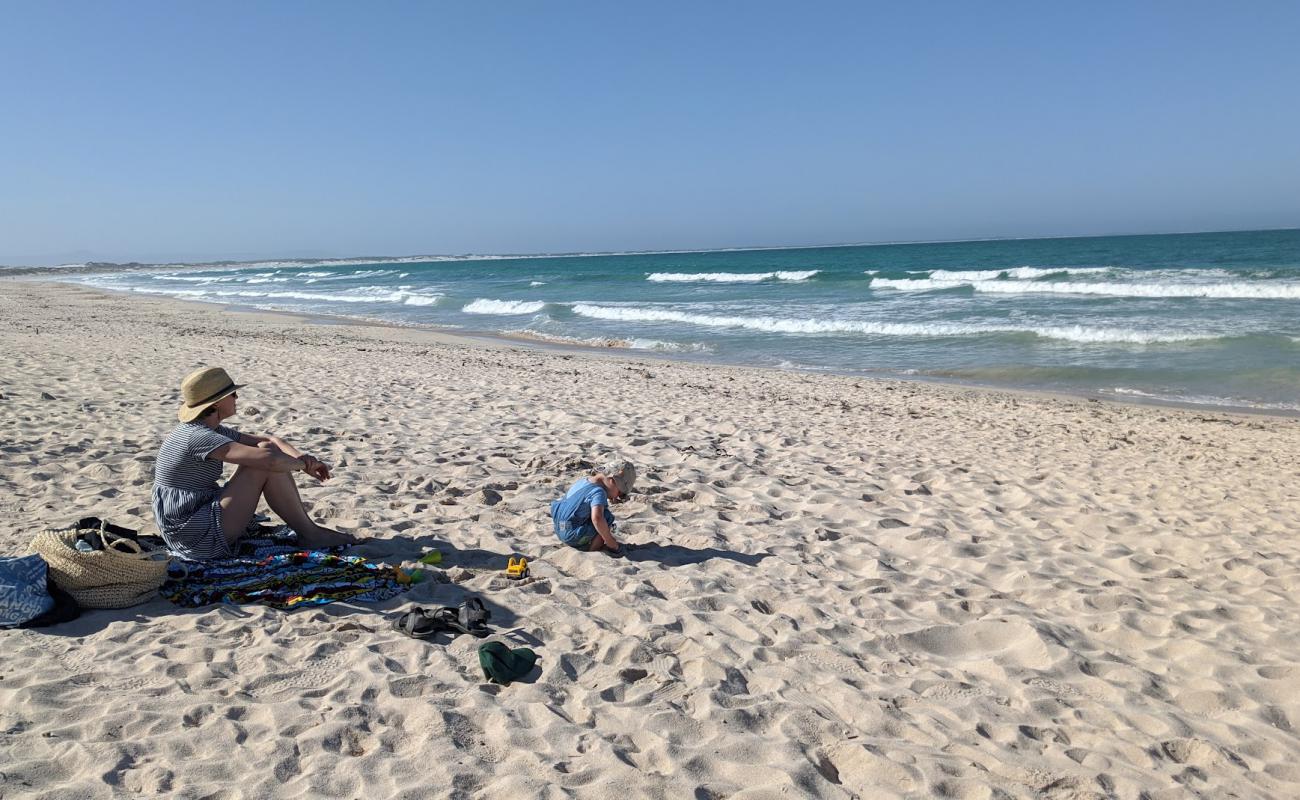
(502, 665)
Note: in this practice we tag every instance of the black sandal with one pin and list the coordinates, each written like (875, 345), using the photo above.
(419, 623)
(470, 617)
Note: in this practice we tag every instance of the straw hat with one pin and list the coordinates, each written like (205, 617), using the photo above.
(201, 389)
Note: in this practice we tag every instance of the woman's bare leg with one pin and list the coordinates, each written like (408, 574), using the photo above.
(282, 496)
(239, 500)
(281, 493)
(249, 485)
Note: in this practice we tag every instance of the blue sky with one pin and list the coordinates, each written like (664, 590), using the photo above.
(189, 131)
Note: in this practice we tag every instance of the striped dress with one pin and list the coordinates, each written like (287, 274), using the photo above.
(186, 496)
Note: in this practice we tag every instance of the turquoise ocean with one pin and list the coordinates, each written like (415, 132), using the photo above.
(1206, 318)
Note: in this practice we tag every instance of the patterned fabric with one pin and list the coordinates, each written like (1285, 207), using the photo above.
(185, 491)
(23, 596)
(273, 572)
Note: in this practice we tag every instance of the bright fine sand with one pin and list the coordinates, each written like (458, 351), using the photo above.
(844, 588)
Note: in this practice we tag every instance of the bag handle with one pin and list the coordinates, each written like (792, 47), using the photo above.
(117, 542)
(102, 524)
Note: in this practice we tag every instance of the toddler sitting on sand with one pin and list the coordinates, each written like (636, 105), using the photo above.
(582, 518)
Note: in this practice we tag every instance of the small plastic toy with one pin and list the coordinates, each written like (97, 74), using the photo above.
(431, 557)
(405, 578)
(517, 568)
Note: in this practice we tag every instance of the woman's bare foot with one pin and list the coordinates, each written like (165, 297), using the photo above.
(326, 537)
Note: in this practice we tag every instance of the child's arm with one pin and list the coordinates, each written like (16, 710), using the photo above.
(602, 527)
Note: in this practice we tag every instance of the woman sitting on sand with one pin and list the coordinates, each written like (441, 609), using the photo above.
(200, 519)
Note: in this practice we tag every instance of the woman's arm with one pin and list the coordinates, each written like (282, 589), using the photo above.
(253, 440)
(314, 467)
(267, 458)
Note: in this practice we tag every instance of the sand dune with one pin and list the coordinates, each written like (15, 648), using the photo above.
(842, 588)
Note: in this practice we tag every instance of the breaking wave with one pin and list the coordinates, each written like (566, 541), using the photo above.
(1015, 273)
(730, 277)
(503, 307)
(655, 345)
(1070, 333)
(357, 296)
(1218, 291)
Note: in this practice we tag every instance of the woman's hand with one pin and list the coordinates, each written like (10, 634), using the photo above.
(317, 469)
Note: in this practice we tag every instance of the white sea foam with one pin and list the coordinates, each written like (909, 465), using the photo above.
(172, 292)
(555, 338)
(1198, 400)
(1072, 333)
(602, 341)
(351, 276)
(730, 277)
(1219, 291)
(196, 278)
(786, 363)
(422, 299)
(669, 347)
(1080, 333)
(537, 283)
(1015, 273)
(277, 276)
(504, 307)
(1185, 275)
(1134, 392)
(966, 276)
(362, 295)
(916, 284)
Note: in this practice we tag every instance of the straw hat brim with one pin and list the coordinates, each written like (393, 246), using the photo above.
(188, 414)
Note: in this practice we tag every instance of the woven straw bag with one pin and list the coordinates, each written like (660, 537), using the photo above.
(122, 574)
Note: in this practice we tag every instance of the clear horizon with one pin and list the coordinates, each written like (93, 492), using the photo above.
(667, 251)
(161, 134)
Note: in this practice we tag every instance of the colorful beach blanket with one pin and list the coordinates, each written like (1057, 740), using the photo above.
(273, 572)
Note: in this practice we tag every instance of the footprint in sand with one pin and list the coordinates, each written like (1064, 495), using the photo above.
(1198, 753)
(865, 771)
(632, 674)
(1013, 641)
